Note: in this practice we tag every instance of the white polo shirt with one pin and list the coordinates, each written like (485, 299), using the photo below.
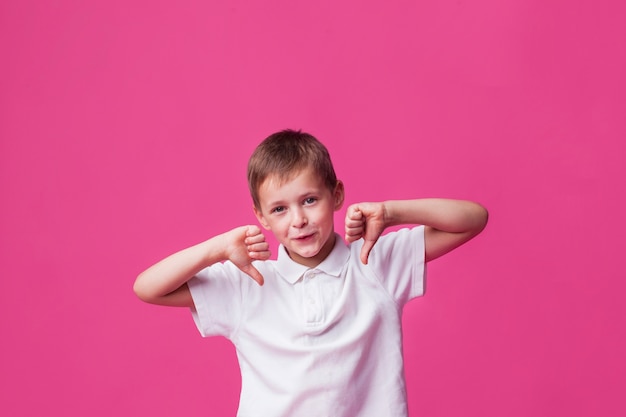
(323, 341)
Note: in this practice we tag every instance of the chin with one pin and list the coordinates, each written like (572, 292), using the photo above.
(307, 255)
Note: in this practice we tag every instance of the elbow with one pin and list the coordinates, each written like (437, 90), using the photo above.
(481, 218)
(140, 290)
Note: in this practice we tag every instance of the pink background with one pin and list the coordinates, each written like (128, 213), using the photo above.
(125, 128)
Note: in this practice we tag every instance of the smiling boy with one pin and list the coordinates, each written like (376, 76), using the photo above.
(319, 332)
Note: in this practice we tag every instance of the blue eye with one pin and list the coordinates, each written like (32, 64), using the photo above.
(310, 200)
(279, 209)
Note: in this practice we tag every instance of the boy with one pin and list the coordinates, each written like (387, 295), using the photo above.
(319, 332)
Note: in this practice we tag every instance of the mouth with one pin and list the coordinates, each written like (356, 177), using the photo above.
(303, 237)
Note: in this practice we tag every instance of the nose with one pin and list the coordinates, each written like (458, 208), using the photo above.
(298, 219)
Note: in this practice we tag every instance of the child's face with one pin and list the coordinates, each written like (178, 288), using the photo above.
(299, 213)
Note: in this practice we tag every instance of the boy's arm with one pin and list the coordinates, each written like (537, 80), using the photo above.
(448, 223)
(165, 282)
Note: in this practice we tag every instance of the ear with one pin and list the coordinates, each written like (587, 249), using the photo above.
(339, 195)
(260, 218)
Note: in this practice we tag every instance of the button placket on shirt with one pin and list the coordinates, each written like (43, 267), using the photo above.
(313, 306)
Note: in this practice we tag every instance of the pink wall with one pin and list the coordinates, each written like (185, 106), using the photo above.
(125, 127)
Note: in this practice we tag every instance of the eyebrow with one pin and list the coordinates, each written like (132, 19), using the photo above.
(308, 193)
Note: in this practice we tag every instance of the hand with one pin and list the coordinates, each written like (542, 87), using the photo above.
(248, 244)
(367, 221)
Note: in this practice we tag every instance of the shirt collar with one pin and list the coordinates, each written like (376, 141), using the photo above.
(333, 264)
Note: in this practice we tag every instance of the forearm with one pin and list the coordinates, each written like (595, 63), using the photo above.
(452, 216)
(449, 223)
(168, 275)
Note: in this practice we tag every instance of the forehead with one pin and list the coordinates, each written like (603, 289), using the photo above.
(300, 182)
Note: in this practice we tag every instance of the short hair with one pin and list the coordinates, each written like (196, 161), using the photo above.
(285, 154)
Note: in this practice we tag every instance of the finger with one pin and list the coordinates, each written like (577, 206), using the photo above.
(260, 254)
(352, 223)
(253, 273)
(350, 239)
(255, 239)
(258, 247)
(253, 230)
(356, 228)
(353, 213)
(353, 234)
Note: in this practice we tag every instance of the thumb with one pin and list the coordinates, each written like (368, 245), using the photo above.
(253, 273)
(366, 249)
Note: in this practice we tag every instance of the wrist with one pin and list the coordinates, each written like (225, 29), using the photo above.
(216, 249)
(390, 213)
(228, 242)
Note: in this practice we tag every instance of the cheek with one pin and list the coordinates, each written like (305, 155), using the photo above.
(277, 224)
(264, 222)
(323, 218)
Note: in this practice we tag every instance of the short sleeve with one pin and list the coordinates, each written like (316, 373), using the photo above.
(398, 260)
(217, 293)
